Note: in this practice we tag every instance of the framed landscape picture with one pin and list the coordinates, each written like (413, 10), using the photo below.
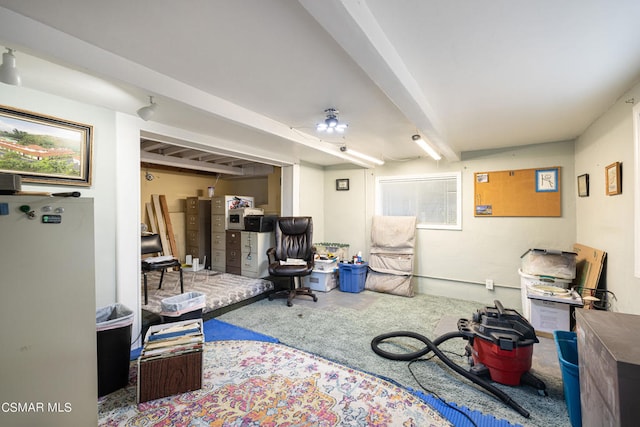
(45, 149)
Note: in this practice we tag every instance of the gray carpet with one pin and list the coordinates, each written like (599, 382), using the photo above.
(340, 327)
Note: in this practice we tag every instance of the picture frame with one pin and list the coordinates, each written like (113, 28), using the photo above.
(583, 185)
(613, 179)
(482, 178)
(547, 180)
(342, 184)
(44, 149)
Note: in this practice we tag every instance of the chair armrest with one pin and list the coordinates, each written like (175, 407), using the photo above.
(271, 255)
(312, 262)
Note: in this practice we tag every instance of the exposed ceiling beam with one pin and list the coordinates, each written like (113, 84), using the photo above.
(240, 162)
(148, 145)
(190, 164)
(211, 158)
(171, 151)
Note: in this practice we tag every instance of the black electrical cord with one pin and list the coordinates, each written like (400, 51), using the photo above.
(436, 394)
(432, 346)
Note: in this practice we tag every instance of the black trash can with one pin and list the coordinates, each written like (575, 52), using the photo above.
(113, 329)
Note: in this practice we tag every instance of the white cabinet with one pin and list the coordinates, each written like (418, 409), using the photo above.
(254, 245)
(220, 206)
(47, 312)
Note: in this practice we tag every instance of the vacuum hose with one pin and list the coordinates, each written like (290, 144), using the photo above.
(432, 346)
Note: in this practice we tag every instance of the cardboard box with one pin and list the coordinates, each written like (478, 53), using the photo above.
(168, 376)
(589, 265)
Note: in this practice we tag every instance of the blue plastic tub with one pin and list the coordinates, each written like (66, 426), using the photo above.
(567, 346)
(352, 276)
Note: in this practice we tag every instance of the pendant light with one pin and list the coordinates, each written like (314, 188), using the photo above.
(8, 71)
(145, 113)
(331, 123)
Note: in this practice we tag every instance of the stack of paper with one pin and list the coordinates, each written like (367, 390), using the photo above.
(173, 339)
(293, 261)
(157, 259)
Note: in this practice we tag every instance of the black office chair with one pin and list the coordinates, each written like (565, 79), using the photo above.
(293, 238)
(152, 244)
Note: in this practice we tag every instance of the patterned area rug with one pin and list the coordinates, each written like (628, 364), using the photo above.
(250, 383)
(221, 289)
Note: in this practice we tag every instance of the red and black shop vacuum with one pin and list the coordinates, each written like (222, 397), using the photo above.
(500, 347)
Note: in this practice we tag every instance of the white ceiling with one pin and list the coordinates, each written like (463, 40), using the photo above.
(254, 76)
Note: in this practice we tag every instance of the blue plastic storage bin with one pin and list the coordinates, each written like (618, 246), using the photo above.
(352, 276)
(567, 346)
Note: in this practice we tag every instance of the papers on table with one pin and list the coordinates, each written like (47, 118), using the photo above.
(293, 261)
(156, 259)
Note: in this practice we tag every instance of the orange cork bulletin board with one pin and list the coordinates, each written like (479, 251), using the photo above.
(522, 192)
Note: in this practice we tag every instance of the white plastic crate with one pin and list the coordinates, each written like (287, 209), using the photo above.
(549, 316)
(321, 280)
(183, 303)
(527, 280)
(326, 264)
(339, 250)
(546, 262)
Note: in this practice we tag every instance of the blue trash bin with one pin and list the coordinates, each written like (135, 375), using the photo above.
(352, 276)
(567, 346)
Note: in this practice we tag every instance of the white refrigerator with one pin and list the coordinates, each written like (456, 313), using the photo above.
(48, 373)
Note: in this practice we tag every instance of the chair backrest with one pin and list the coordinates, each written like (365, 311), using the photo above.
(294, 237)
(150, 244)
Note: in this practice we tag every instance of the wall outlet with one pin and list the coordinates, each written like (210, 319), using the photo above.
(489, 284)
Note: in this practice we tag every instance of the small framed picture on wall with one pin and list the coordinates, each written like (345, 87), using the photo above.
(547, 180)
(583, 185)
(613, 178)
(342, 184)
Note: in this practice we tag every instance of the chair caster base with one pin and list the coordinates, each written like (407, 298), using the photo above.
(291, 294)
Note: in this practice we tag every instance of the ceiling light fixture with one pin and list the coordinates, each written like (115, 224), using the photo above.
(426, 147)
(8, 71)
(145, 113)
(331, 123)
(360, 155)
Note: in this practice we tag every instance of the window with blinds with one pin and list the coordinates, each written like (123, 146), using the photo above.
(434, 199)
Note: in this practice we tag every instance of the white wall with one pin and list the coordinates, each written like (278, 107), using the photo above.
(311, 198)
(606, 222)
(346, 214)
(456, 263)
(103, 170)
(453, 263)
